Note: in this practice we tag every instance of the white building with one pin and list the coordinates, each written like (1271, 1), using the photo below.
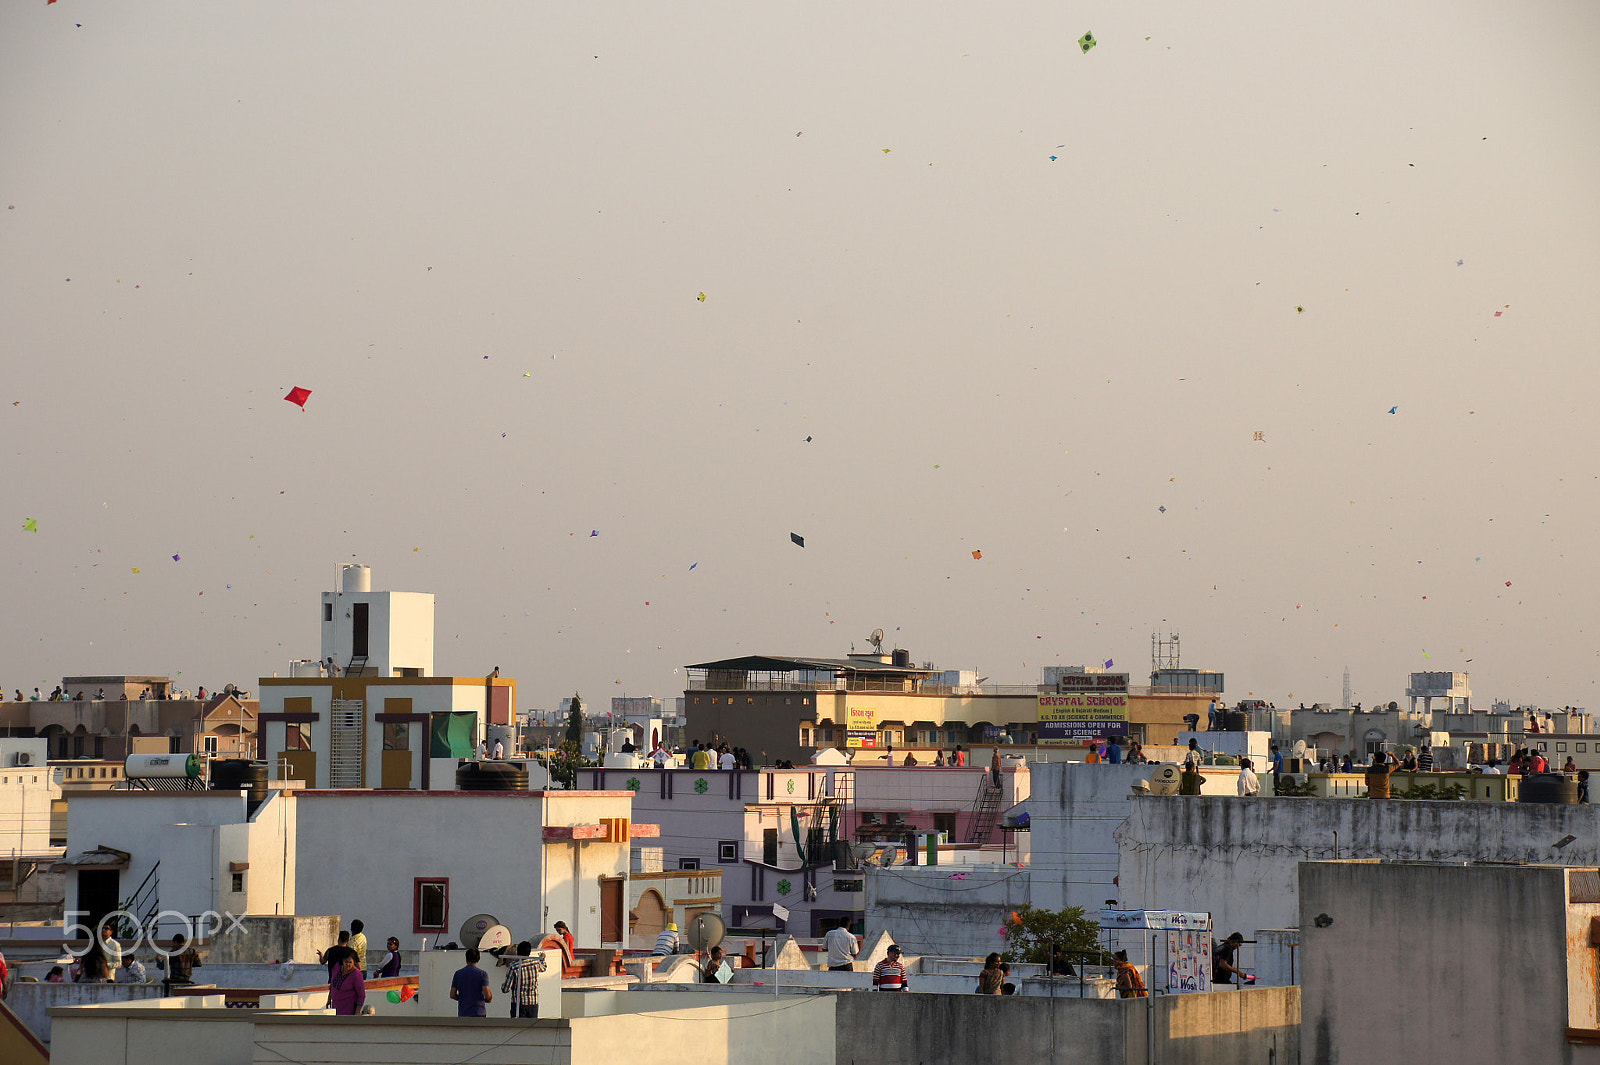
(380, 634)
(384, 720)
(409, 864)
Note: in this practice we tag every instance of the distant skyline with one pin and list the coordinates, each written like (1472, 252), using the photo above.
(1274, 327)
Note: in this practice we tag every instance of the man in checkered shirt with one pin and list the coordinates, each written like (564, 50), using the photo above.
(522, 982)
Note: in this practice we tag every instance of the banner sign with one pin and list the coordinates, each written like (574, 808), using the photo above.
(1079, 716)
(861, 729)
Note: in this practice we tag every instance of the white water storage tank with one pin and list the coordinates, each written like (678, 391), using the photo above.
(144, 766)
(356, 578)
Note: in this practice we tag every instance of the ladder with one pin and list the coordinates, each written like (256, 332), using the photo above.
(984, 811)
(357, 666)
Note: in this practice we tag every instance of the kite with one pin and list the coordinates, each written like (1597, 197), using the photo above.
(692, 565)
(1087, 42)
(701, 297)
(298, 396)
(1162, 509)
(1109, 663)
(594, 532)
(177, 558)
(1394, 410)
(797, 539)
(30, 524)
(808, 440)
(136, 569)
(977, 554)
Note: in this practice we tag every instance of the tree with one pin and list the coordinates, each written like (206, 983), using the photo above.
(575, 722)
(1030, 932)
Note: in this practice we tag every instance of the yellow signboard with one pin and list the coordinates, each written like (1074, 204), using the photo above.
(1076, 716)
(861, 726)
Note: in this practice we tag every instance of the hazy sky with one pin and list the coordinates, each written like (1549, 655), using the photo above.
(1019, 297)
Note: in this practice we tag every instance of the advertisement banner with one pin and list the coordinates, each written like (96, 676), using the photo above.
(861, 726)
(1077, 716)
(1188, 961)
(1092, 682)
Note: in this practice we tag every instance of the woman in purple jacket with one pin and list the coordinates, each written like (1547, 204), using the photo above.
(347, 991)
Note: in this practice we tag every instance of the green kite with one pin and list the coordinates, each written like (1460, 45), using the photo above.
(1087, 42)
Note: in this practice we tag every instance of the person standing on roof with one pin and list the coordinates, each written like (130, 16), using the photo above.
(667, 941)
(842, 949)
(1129, 983)
(890, 973)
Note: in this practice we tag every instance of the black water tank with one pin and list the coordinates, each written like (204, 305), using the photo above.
(901, 657)
(241, 774)
(1235, 721)
(491, 776)
(1548, 787)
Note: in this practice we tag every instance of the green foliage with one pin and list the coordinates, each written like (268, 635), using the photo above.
(564, 763)
(1288, 786)
(1030, 931)
(1448, 792)
(575, 722)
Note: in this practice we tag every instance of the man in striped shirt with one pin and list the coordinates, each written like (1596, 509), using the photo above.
(522, 982)
(890, 974)
(1425, 760)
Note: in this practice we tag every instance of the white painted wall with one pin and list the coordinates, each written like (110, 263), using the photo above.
(25, 796)
(1238, 858)
(489, 845)
(399, 630)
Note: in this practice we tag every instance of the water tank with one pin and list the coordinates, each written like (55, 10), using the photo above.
(145, 766)
(1235, 721)
(901, 657)
(240, 774)
(356, 578)
(1549, 787)
(491, 776)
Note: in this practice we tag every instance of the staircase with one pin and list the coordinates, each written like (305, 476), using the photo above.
(357, 666)
(985, 811)
(142, 905)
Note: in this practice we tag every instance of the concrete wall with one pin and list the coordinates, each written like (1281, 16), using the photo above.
(1238, 858)
(32, 1002)
(264, 939)
(928, 911)
(1219, 1028)
(25, 796)
(141, 823)
(1435, 963)
(489, 845)
(691, 1032)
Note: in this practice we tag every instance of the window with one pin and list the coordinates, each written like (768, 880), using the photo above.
(1582, 747)
(1561, 748)
(805, 737)
(295, 738)
(327, 611)
(238, 883)
(397, 735)
(430, 905)
(210, 744)
(1543, 745)
(688, 863)
(727, 851)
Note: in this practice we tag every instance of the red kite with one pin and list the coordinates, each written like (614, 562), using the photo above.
(299, 396)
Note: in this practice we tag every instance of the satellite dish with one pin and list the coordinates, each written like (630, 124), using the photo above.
(1299, 748)
(891, 854)
(706, 931)
(1165, 780)
(876, 640)
(473, 928)
(495, 937)
(863, 852)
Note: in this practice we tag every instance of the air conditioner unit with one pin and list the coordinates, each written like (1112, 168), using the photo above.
(24, 757)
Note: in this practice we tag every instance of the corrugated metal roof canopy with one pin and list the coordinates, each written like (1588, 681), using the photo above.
(787, 664)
